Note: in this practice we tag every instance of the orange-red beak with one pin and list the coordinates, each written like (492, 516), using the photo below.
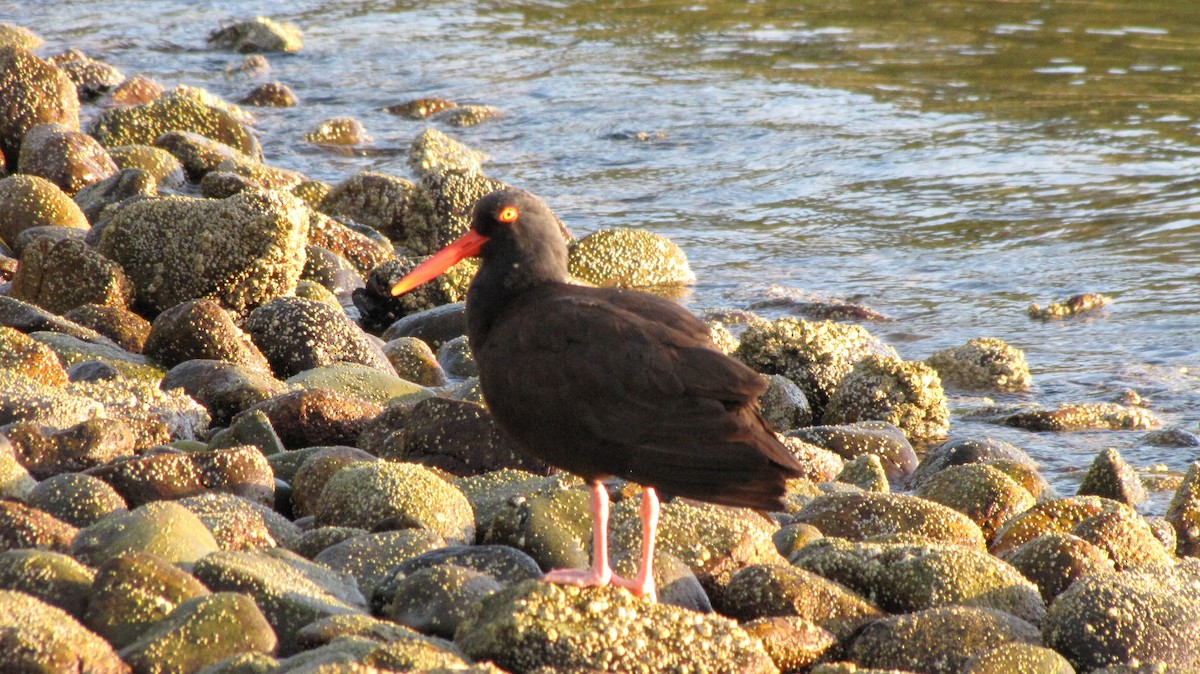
(466, 246)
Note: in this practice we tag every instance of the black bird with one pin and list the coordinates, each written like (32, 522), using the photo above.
(605, 382)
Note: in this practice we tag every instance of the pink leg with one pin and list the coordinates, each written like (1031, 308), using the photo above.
(600, 573)
(642, 585)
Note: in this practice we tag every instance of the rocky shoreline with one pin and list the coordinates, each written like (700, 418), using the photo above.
(225, 448)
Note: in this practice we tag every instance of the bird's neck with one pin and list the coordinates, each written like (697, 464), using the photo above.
(503, 277)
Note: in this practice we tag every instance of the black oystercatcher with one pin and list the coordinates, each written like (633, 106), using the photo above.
(606, 382)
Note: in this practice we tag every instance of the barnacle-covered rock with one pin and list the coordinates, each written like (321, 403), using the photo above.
(32, 92)
(184, 109)
(907, 394)
(1073, 305)
(629, 258)
(259, 34)
(982, 363)
(339, 131)
(31, 201)
(64, 156)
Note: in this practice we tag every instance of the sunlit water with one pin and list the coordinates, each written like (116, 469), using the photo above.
(945, 163)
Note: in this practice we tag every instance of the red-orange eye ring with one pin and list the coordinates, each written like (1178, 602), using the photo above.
(508, 214)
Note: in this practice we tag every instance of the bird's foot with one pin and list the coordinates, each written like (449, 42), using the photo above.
(579, 577)
(640, 587)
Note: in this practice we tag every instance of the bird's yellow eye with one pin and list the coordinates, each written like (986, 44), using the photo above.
(508, 214)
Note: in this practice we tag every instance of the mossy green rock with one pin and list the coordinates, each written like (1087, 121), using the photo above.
(362, 382)
(1018, 658)
(64, 274)
(1056, 516)
(369, 558)
(903, 578)
(200, 632)
(242, 251)
(184, 110)
(552, 525)
(134, 591)
(30, 201)
(536, 624)
(492, 494)
(985, 494)
(815, 355)
(767, 590)
(53, 577)
(1056, 560)
(73, 350)
(37, 637)
(907, 394)
(860, 515)
(370, 494)
(629, 258)
(939, 640)
(1148, 614)
(162, 528)
(291, 591)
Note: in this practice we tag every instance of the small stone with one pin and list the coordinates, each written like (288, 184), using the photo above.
(124, 184)
(65, 157)
(32, 92)
(467, 115)
(297, 335)
(125, 328)
(1125, 537)
(241, 524)
(1184, 512)
(1018, 657)
(242, 471)
(1073, 417)
(339, 131)
(905, 393)
(162, 165)
(434, 151)
(182, 110)
(223, 388)
(414, 361)
(308, 418)
(859, 515)
(23, 526)
(271, 95)
(31, 201)
(370, 557)
(201, 329)
(134, 91)
(768, 590)
(199, 154)
(436, 600)
(783, 404)
(30, 358)
(1111, 477)
(372, 494)
(377, 200)
(1056, 516)
(419, 108)
(77, 499)
(1072, 306)
(259, 34)
(984, 493)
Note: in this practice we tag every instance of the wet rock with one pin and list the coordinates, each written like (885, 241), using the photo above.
(223, 388)
(419, 108)
(1184, 513)
(260, 174)
(32, 92)
(1018, 657)
(30, 201)
(68, 158)
(330, 270)
(1164, 532)
(769, 590)
(434, 326)
(363, 251)
(30, 358)
(850, 441)
(457, 359)
(132, 592)
(1125, 537)
(1111, 477)
(259, 34)
(859, 515)
(201, 329)
(297, 334)
(12, 35)
(547, 521)
(77, 499)
(162, 165)
(374, 199)
(414, 361)
(315, 417)
(162, 528)
(905, 393)
(985, 494)
(240, 524)
(181, 110)
(458, 437)
(200, 632)
(94, 442)
(125, 328)
(197, 153)
(441, 208)
(1071, 417)
(537, 624)
(961, 451)
(368, 558)
(939, 640)
(122, 185)
(134, 91)
(628, 258)
(92, 78)
(984, 363)
(252, 65)
(1150, 614)
(437, 599)
(814, 355)
(271, 95)
(339, 131)
(52, 577)
(434, 151)
(242, 471)
(714, 541)
(360, 382)
(783, 404)
(499, 492)
(1171, 437)
(38, 637)
(903, 578)
(23, 526)
(290, 590)
(387, 493)
(1071, 306)
(241, 251)
(467, 115)
(1056, 516)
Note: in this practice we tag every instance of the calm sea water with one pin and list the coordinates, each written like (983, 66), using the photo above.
(946, 163)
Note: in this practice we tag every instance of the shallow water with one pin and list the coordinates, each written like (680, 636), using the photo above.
(945, 163)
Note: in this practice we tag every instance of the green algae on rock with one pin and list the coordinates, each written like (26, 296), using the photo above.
(537, 624)
(162, 528)
(984, 493)
(242, 251)
(983, 363)
(75, 498)
(861, 515)
(938, 640)
(182, 110)
(201, 631)
(361, 382)
(369, 558)
(53, 577)
(629, 258)
(166, 169)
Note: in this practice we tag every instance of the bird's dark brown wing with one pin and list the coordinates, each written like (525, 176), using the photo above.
(607, 382)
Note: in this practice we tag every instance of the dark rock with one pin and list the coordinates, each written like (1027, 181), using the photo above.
(938, 640)
(1111, 477)
(125, 328)
(414, 361)
(197, 153)
(201, 329)
(240, 524)
(77, 499)
(362, 251)
(434, 327)
(315, 417)
(437, 599)
(960, 451)
(29, 318)
(94, 442)
(1057, 516)
(1184, 513)
(784, 406)
(297, 334)
(225, 389)
(65, 274)
(507, 565)
(380, 309)
(125, 184)
(64, 156)
(271, 95)
(92, 78)
(331, 271)
(184, 109)
(93, 371)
